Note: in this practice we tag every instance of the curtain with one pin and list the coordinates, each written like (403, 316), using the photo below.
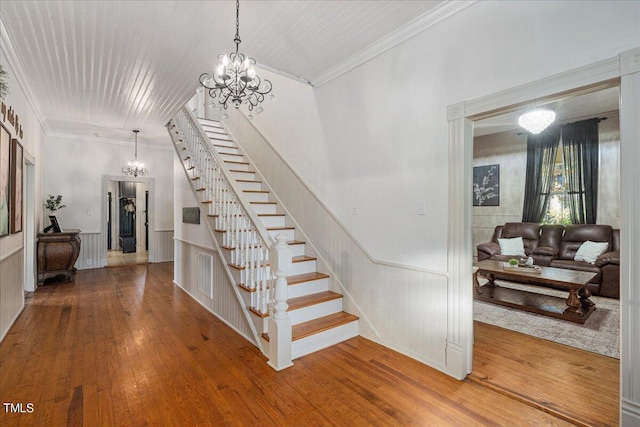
(580, 148)
(541, 158)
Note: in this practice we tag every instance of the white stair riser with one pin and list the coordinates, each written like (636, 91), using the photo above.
(324, 339)
(220, 140)
(256, 197)
(232, 157)
(264, 208)
(227, 150)
(209, 123)
(290, 233)
(253, 185)
(303, 267)
(272, 221)
(297, 250)
(306, 288)
(315, 311)
(237, 166)
(251, 176)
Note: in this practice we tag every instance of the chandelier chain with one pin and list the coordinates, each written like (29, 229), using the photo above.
(235, 81)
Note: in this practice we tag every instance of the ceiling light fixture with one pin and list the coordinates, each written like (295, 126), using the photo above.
(537, 120)
(135, 167)
(235, 80)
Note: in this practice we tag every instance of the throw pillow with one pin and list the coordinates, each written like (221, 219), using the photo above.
(590, 251)
(513, 246)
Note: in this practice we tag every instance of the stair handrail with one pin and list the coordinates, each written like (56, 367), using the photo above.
(230, 181)
(279, 327)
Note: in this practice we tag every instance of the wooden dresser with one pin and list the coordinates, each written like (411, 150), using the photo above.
(57, 254)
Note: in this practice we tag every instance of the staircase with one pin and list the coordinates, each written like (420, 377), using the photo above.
(315, 311)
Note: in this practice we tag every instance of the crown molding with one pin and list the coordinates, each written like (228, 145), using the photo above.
(19, 75)
(439, 13)
(283, 74)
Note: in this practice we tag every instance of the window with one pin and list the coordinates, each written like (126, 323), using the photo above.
(558, 207)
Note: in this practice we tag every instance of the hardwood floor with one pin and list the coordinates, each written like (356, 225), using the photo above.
(573, 384)
(124, 346)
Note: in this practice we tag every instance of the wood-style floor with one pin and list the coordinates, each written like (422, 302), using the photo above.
(124, 346)
(573, 384)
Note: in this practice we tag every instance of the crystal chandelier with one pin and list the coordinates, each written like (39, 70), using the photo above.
(537, 120)
(135, 167)
(235, 81)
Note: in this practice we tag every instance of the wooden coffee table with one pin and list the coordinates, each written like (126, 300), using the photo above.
(576, 308)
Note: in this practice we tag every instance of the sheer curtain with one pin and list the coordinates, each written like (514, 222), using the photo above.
(541, 158)
(580, 144)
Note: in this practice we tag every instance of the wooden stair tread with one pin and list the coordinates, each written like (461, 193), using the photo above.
(280, 228)
(306, 329)
(275, 214)
(312, 299)
(236, 163)
(248, 180)
(238, 170)
(263, 203)
(306, 277)
(255, 191)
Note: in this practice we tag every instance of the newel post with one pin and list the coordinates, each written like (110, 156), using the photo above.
(280, 324)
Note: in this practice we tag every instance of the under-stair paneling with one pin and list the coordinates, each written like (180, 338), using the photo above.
(90, 251)
(224, 303)
(164, 245)
(399, 306)
(11, 289)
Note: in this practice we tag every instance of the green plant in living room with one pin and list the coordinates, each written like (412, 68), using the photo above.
(513, 261)
(54, 203)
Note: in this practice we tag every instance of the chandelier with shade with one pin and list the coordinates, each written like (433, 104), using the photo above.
(235, 81)
(537, 120)
(135, 167)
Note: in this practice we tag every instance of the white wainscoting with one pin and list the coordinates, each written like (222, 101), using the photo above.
(164, 246)
(401, 307)
(11, 289)
(90, 251)
(224, 304)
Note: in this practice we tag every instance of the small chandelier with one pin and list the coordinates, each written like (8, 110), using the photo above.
(235, 80)
(537, 120)
(135, 167)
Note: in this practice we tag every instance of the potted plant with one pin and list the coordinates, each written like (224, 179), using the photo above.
(52, 204)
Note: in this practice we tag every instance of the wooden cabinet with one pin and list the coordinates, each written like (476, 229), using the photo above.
(57, 253)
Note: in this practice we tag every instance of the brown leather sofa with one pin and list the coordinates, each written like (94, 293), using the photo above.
(556, 245)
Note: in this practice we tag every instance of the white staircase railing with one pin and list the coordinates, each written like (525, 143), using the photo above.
(250, 244)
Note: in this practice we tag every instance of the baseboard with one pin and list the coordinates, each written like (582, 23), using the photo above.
(630, 413)
(6, 331)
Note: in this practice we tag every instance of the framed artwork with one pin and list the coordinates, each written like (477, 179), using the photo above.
(54, 227)
(486, 185)
(191, 215)
(5, 180)
(17, 161)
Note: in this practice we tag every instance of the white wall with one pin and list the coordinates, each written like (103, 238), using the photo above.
(12, 254)
(75, 169)
(384, 125)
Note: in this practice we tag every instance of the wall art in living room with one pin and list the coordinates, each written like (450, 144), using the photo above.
(486, 185)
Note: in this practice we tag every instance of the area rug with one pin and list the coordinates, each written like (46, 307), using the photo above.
(599, 334)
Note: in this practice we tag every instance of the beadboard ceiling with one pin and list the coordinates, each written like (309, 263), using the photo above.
(107, 67)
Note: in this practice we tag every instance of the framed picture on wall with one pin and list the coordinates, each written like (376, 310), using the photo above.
(486, 185)
(5, 180)
(17, 158)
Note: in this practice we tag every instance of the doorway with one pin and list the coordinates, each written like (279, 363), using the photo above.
(620, 70)
(126, 221)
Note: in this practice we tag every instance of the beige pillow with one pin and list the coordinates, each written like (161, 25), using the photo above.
(590, 251)
(513, 246)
